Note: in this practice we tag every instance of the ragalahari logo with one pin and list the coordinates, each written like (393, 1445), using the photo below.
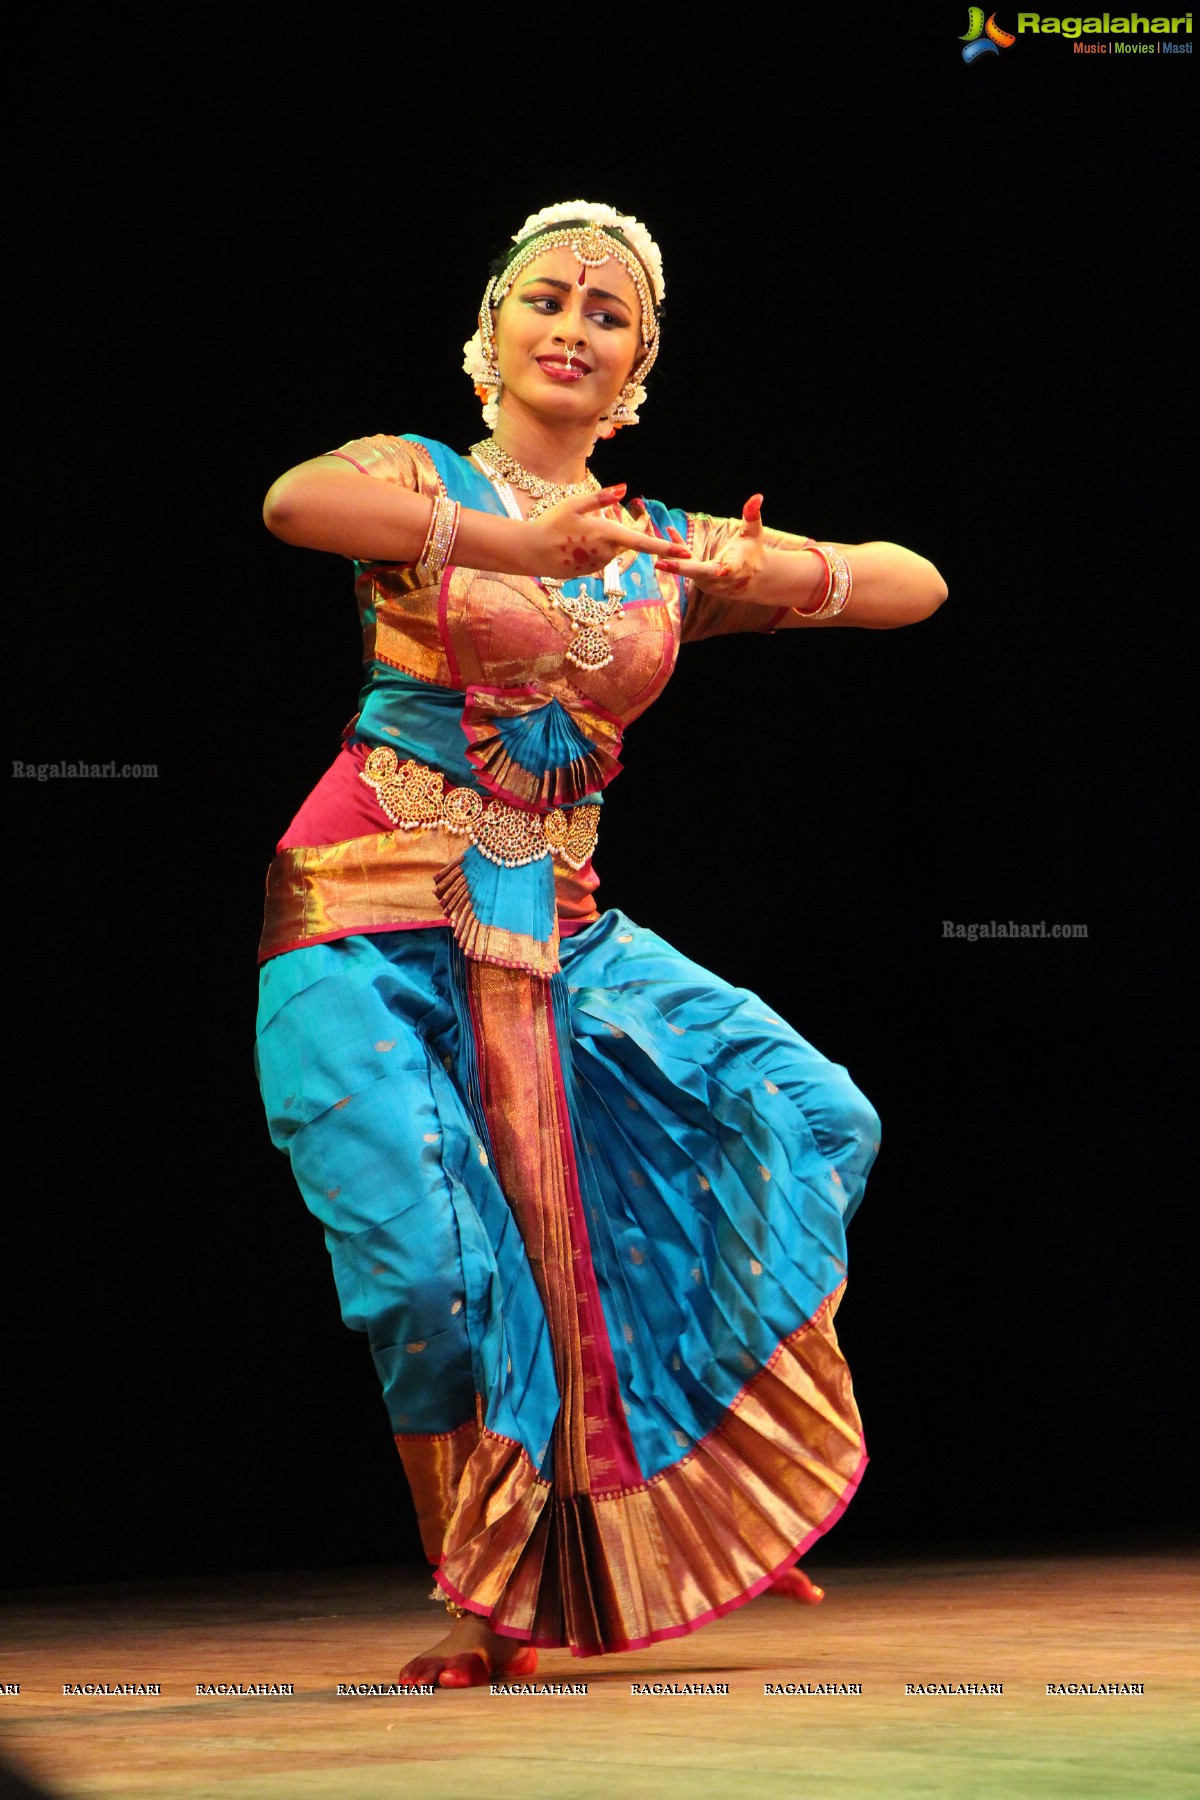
(983, 38)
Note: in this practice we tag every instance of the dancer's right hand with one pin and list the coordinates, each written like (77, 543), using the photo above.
(578, 536)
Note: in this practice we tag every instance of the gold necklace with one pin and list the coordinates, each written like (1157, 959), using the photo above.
(545, 493)
(589, 648)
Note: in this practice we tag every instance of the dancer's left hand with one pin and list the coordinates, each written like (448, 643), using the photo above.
(740, 561)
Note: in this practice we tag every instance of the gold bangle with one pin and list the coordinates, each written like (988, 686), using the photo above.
(429, 531)
(839, 583)
(442, 529)
(453, 535)
(439, 540)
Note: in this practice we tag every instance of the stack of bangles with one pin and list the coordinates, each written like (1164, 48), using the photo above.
(439, 540)
(839, 583)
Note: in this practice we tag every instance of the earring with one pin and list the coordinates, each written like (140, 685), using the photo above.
(625, 411)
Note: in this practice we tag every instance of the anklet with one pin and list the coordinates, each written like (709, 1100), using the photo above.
(451, 1606)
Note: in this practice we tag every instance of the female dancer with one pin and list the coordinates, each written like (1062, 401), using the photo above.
(587, 1200)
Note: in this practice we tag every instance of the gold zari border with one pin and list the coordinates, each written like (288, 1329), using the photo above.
(611, 1571)
(384, 881)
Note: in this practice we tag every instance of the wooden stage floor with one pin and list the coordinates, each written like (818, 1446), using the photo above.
(1020, 1624)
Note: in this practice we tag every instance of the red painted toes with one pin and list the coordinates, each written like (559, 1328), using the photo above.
(421, 1672)
(794, 1584)
(471, 1669)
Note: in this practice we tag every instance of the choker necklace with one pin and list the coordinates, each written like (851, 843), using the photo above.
(590, 618)
(546, 493)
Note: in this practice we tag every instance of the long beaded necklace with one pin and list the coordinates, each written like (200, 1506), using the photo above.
(590, 618)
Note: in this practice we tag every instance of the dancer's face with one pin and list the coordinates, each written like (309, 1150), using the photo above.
(547, 313)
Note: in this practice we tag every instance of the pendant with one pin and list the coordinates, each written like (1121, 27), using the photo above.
(590, 618)
(589, 648)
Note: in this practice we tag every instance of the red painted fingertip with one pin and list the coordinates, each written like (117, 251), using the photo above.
(753, 507)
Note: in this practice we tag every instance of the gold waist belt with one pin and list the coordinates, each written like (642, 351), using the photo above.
(390, 879)
(413, 795)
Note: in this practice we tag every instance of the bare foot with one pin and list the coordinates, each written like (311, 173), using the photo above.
(467, 1656)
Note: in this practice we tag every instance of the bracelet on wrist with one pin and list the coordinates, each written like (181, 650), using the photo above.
(839, 583)
(438, 547)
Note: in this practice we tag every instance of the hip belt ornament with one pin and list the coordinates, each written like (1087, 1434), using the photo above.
(413, 795)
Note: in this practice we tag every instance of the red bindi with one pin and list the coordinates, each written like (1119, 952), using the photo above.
(582, 277)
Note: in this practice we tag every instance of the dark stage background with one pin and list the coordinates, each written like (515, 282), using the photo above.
(907, 299)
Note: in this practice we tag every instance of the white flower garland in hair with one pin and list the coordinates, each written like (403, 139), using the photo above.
(596, 213)
(476, 365)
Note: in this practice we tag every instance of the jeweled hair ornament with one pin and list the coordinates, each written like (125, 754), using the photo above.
(585, 227)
